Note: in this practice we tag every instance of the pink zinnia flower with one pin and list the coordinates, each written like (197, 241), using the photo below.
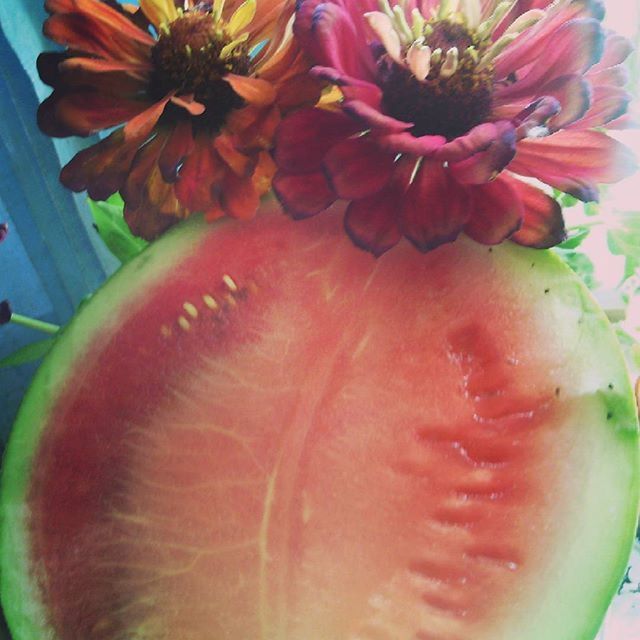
(443, 107)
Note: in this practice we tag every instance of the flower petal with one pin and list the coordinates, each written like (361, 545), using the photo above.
(159, 11)
(303, 195)
(143, 165)
(238, 197)
(102, 168)
(616, 50)
(176, 149)
(358, 167)
(200, 173)
(352, 88)
(435, 207)
(486, 165)
(372, 224)
(263, 173)
(607, 104)
(304, 137)
(496, 212)
(406, 143)
(577, 45)
(476, 140)
(142, 124)
(238, 162)
(573, 161)
(573, 93)
(254, 90)
(542, 223)
(332, 39)
(372, 118)
(86, 112)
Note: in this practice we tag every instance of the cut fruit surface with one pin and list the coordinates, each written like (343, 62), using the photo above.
(259, 432)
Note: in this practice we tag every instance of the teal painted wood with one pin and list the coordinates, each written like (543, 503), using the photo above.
(51, 258)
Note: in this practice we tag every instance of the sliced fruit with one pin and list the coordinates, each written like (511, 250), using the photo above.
(258, 432)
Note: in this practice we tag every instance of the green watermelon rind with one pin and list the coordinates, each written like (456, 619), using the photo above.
(19, 581)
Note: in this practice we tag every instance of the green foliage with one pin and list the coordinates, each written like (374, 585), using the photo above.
(109, 221)
(29, 353)
(581, 264)
(624, 240)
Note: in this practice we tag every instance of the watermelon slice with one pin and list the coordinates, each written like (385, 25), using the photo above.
(258, 432)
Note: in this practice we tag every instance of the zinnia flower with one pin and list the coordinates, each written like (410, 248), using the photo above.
(443, 107)
(200, 86)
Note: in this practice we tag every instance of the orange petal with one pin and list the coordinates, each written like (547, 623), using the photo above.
(96, 65)
(254, 90)
(238, 197)
(238, 162)
(264, 172)
(159, 11)
(189, 104)
(142, 124)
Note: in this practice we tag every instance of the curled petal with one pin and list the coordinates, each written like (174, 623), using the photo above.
(497, 212)
(372, 224)
(358, 167)
(352, 88)
(372, 118)
(616, 50)
(476, 140)
(303, 195)
(304, 137)
(573, 94)
(486, 165)
(535, 115)
(542, 222)
(435, 208)
(238, 162)
(406, 143)
(142, 124)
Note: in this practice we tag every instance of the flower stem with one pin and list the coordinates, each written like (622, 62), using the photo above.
(32, 323)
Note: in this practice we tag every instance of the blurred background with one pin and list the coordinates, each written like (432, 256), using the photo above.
(52, 257)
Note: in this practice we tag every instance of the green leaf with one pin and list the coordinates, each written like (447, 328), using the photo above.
(581, 264)
(29, 353)
(114, 231)
(624, 240)
(591, 208)
(576, 238)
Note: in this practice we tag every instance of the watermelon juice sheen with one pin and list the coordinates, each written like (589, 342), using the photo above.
(258, 431)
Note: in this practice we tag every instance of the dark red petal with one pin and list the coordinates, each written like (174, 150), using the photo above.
(238, 196)
(542, 223)
(102, 168)
(608, 103)
(496, 212)
(372, 118)
(201, 171)
(144, 163)
(86, 112)
(573, 161)
(576, 46)
(177, 147)
(372, 224)
(304, 137)
(333, 40)
(303, 195)
(435, 207)
(48, 63)
(358, 167)
(486, 165)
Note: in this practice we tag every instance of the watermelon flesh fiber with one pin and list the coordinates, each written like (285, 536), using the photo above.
(258, 431)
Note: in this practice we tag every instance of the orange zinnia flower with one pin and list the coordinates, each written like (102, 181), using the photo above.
(200, 87)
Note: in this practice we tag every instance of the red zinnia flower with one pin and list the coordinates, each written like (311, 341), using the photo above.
(200, 98)
(441, 106)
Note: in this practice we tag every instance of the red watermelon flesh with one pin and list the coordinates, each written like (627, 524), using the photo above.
(259, 432)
